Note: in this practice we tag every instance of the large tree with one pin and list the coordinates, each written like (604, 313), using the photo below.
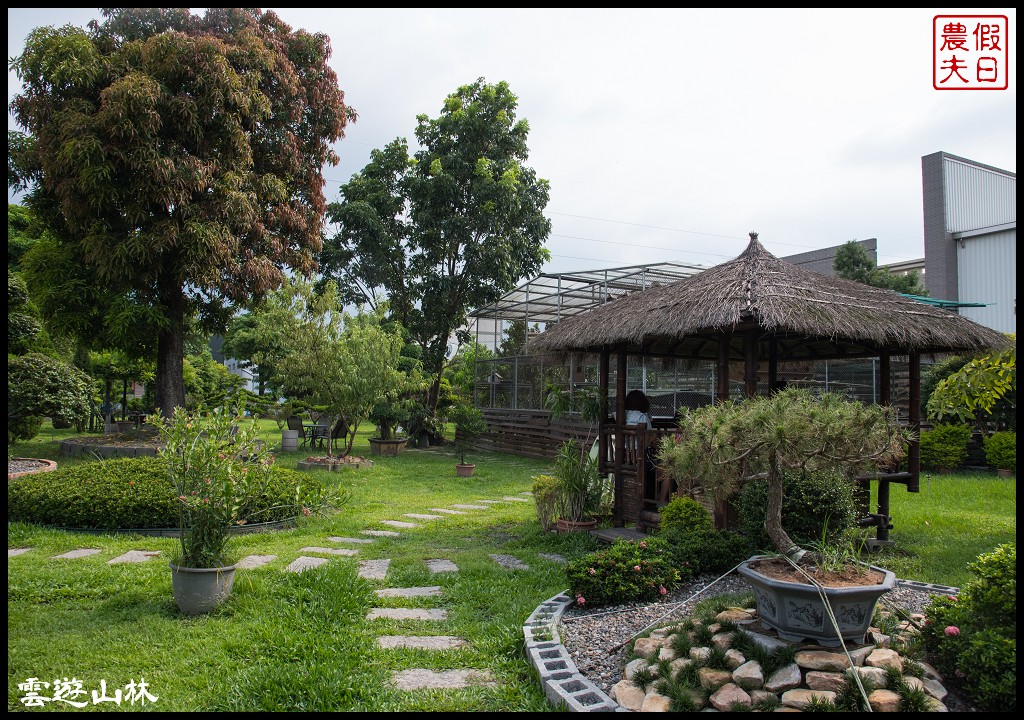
(449, 229)
(853, 262)
(180, 157)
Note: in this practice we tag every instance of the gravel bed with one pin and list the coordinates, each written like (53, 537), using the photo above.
(23, 464)
(592, 637)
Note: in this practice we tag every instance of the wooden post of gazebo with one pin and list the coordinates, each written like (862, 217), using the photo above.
(620, 435)
(750, 338)
(722, 369)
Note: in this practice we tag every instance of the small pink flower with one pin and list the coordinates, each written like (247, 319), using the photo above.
(637, 568)
(131, 482)
(643, 544)
(580, 600)
(182, 498)
(305, 511)
(592, 571)
(952, 630)
(662, 590)
(954, 598)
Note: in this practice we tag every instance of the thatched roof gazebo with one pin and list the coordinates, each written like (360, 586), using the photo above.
(753, 309)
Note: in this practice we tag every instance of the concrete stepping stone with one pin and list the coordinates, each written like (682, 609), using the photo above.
(134, 556)
(305, 563)
(381, 533)
(14, 552)
(441, 566)
(554, 557)
(510, 561)
(490, 502)
(357, 541)
(75, 554)
(447, 512)
(473, 507)
(423, 679)
(427, 591)
(374, 569)
(399, 524)
(329, 551)
(515, 499)
(254, 561)
(406, 614)
(418, 516)
(421, 642)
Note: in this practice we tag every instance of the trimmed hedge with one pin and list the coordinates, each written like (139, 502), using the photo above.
(129, 493)
(1001, 450)
(944, 447)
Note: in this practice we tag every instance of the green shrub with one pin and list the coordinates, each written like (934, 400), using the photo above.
(23, 428)
(545, 495)
(627, 571)
(814, 505)
(1001, 450)
(945, 446)
(694, 542)
(39, 385)
(973, 637)
(127, 493)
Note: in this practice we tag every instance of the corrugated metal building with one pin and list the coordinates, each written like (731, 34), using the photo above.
(970, 237)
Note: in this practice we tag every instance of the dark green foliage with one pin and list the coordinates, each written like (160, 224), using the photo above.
(40, 385)
(23, 428)
(853, 262)
(128, 493)
(642, 677)
(1001, 450)
(696, 544)
(945, 446)
(624, 572)
(812, 503)
(974, 636)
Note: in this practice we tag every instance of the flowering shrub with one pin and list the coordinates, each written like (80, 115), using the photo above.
(973, 636)
(627, 571)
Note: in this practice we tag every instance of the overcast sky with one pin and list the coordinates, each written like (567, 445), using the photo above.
(668, 135)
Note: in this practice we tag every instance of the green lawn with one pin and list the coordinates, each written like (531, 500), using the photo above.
(289, 642)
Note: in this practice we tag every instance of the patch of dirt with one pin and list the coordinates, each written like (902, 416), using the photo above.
(133, 438)
(850, 576)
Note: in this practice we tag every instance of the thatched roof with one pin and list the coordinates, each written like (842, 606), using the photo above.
(808, 315)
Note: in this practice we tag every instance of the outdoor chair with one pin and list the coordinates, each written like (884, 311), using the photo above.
(295, 423)
(338, 431)
(319, 433)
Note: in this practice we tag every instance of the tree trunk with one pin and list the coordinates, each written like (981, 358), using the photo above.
(170, 380)
(773, 515)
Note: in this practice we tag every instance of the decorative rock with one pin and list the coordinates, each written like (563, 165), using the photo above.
(831, 681)
(930, 671)
(749, 675)
(858, 655)
(428, 591)
(935, 689)
(441, 566)
(418, 516)
(515, 499)
(510, 562)
(722, 640)
(304, 563)
(882, 700)
(329, 551)
(660, 633)
(679, 663)
(632, 666)
(14, 552)
(729, 696)
(75, 554)
(472, 507)
(769, 644)
(374, 569)
(357, 541)
(420, 679)
(428, 642)
(554, 557)
(936, 706)
(885, 658)
(648, 647)
(757, 696)
(254, 561)
(700, 654)
(627, 695)
(822, 660)
(800, 698)
(399, 524)
(785, 678)
(406, 614)
(733, 659)
(880, 639)
(711, 679)
(735, 615)
(667, 653)
(876, 676)
(655, 702)
(134, 556)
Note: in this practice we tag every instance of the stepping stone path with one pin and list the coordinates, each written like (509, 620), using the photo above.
(305, 563)
(443, 679)
(490, 502)
(358, 541)
(553, 557)
(329, 551)
(427, 591)
(75, 554)
(421, 642)
(374, 569)
(515, 499)
(14, 552)
(447, 512)
(441, 566)
(381, 533)
(406, 614)
(134, 556)
(399, 524)
(473, 507)
(423, 517)
(254, 561)
(510, 561)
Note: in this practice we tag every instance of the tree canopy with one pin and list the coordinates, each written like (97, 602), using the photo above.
(980, 387)
(450, 228)
(179, 157)
(853, 262)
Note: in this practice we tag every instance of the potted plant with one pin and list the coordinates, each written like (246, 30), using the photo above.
(728, 444)
(1001, 452)
(211, 483)
(469, 423)
(580, 489)
(387, 414)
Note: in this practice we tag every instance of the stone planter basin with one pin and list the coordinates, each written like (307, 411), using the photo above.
(797, 612)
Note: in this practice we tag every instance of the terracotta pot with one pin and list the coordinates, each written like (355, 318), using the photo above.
(200, 590)
(1004, 472)
(796, 611)
(462, 470)
(575, 526)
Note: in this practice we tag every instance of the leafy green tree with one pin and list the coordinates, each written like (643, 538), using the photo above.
(343, 363)
(978, 389)
(20, 235)
(853, 262)
(451, 228)
(258, 338)
(180, 157)
(38, 385)
(22, 322)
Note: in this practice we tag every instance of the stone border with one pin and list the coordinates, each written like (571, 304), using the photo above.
(564, 686)
(70, 448)
(48, 465)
